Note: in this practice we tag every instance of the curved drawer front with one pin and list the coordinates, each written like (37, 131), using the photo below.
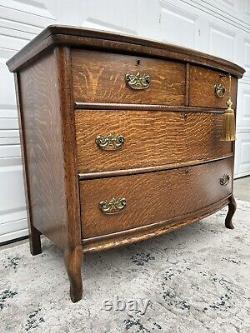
(113, 140)
(203, 134)
(113, 78)
(120, 203)
(210, 88)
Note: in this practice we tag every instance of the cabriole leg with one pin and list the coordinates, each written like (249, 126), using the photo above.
(231, 211)
(73, 261)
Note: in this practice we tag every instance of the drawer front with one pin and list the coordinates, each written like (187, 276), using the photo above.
(114, 78)
(119, 203)
(149, 139)
(203, 133)
(207, 85)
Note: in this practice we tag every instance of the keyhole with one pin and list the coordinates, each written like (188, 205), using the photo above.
(184, 114)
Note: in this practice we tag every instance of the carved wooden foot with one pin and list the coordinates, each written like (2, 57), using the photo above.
(35, 241)
(73, 262)
(231, 211)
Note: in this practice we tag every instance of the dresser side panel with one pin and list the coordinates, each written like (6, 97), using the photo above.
(43, 137)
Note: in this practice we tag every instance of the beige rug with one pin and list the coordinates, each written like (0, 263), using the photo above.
(193, 280)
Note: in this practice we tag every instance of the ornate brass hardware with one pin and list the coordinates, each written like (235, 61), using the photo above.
(114, 206)
(138, 81)
(219, 90)
(110, 142)
(224, 180)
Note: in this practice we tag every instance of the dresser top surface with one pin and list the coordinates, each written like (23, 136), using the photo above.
(56, 35)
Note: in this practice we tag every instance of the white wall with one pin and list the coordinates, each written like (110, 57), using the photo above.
(219, 27)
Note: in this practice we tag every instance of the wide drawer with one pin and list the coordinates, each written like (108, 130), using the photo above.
(114, 204)
(210, 88)
(113, 140)
(114, 78)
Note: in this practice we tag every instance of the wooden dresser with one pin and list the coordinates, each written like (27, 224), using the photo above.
(122, 139)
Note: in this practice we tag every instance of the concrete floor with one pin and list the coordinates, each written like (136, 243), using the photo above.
(241, 191)
(242, 188)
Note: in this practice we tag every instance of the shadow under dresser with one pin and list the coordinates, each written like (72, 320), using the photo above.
(121, 139)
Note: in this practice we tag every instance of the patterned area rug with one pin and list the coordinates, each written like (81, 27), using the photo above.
(193, 280)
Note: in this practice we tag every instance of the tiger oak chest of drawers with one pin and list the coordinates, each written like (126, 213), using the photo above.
(122, 139)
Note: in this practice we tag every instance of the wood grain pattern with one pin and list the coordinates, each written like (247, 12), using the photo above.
(100, 77)
(34, 234)
(73, 251)
(45, 156)
(187, 84)
(151, 138)
(73, 262)
(139, 234)
(124, 172)
(152, 197)
(203, 133)
(113, 42)
(202, 81)
(144, 107)
(66, 110)
(47, 116)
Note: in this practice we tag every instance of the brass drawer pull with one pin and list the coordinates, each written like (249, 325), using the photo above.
(219, 90)
(114, 206)
(224, 180)
(138, 81)
(110, 142)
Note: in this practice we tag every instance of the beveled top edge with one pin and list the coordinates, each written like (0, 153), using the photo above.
(60, 35)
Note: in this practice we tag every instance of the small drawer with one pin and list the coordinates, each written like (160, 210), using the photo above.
(210, 88)
(100, 77)
(115, 204)
(113, 140)
(203, 136)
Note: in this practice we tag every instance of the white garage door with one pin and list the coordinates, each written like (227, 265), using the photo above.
(219, 27)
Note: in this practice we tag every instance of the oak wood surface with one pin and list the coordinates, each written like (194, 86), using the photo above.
(113, 42)
(45, 106)
(34, 234)
(201, 91)
(187, 84)
(47, 115)
(134, 171)
(100, 77)
(151, 138)
(44, 151)
(144, 107)
(62, 55)
(73, 262)
(152, 197)
(142, 233)
(73, 251)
